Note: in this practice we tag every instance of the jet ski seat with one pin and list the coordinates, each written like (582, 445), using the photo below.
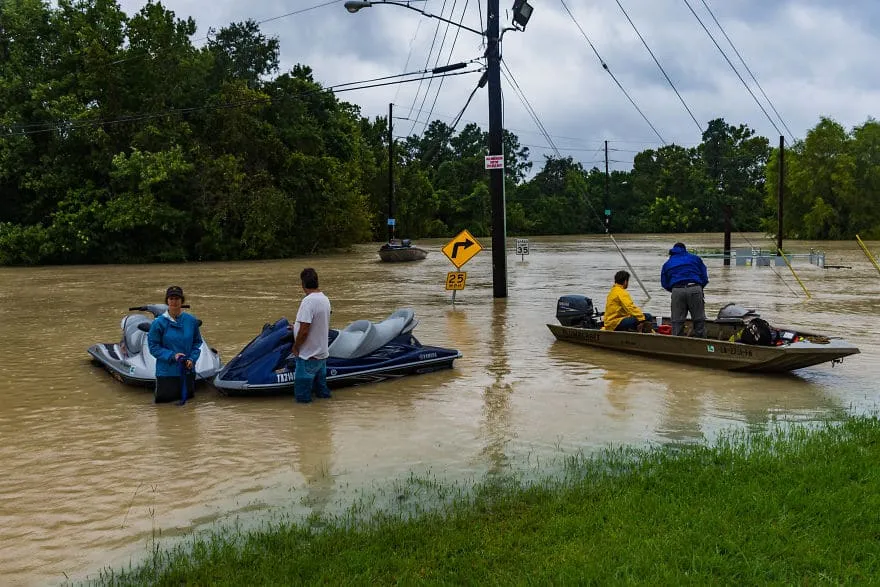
(133, 332)
(362, 337)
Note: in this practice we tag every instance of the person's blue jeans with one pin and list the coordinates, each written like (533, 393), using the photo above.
(632, 322)
(310, 375)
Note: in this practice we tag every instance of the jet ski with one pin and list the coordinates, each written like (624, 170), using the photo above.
(362, 352)
(130, 360)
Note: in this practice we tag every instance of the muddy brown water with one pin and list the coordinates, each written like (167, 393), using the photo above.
(93, 471)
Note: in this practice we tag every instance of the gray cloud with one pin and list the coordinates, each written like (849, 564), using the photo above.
(812, 58)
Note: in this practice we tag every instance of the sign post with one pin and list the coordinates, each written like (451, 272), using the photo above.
(459, 251)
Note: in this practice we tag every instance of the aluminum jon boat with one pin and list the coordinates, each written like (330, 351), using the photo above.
(398, 251)
(776, 350)
(363, 352)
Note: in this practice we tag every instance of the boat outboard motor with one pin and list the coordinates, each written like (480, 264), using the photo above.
(577, 311)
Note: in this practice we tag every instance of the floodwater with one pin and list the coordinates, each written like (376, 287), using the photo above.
(92, 471)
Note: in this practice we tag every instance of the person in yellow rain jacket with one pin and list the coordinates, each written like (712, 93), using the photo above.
(620, 311)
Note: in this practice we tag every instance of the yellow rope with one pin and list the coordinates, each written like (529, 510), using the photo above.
(867, 253)
(793, 273)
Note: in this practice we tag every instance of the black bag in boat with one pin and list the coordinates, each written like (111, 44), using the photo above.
(757, 332)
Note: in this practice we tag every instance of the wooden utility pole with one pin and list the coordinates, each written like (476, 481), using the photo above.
(781, 192)
(607, 196)
(391, 220)
(727, 235)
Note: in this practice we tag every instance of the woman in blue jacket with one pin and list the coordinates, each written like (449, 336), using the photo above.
(175, 342)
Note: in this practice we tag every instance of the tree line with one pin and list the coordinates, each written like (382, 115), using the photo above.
(121, 141)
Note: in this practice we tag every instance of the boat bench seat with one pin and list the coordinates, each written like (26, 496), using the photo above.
(362, 337)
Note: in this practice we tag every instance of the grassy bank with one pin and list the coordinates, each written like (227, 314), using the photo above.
(801, 506)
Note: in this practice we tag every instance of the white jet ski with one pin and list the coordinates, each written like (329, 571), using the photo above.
(130, 361)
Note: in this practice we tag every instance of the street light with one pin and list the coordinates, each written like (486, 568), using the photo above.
(522, 11)
(355, 5)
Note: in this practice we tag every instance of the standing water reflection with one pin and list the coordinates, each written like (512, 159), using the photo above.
(93, 470)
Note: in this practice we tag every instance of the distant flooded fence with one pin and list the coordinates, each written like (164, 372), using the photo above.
(750, 257)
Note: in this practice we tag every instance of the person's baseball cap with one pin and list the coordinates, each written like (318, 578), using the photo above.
(174, 290)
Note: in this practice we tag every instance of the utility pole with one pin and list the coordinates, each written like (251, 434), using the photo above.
(496, 147)
(607, 197)
(727, 214)
(781, 189)
(391, 220)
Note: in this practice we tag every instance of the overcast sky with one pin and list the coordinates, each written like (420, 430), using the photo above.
(811, 58)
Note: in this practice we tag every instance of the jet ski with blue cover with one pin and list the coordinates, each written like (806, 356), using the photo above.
(362, 352)
(130, 361)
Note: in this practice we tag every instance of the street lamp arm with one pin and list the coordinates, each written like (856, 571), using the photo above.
(354, 6)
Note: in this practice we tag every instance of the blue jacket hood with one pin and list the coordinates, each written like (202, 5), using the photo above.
(683, 267)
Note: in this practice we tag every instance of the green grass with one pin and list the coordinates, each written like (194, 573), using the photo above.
(795, 506)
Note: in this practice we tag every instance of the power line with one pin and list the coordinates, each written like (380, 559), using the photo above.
(339, 88)
(579, 140)
(743, 61)
(606, 68)
(300, 11)
(518, 91)
(439, 53)
(663, 71)
(479, 85)
(730, 63)
(508, 75)
(427, 61)
(448, 61)
(207, 37)
(409, 55)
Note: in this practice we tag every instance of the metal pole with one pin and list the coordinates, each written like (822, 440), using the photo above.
(781, 190)
(496, 176)
(390, 173)
(607, 199)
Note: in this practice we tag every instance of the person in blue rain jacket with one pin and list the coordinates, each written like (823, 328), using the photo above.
(175, 342)
(684, 275)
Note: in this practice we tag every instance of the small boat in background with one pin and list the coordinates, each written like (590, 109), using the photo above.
(395, 251)
(738, 340)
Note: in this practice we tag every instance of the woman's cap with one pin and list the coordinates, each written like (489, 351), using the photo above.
(174, 290)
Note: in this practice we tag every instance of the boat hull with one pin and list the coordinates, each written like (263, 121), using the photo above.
(341, 373)
(402, 254)
(137, 371)
(711, 352)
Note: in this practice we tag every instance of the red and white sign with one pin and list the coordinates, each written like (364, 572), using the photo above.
(494, 161)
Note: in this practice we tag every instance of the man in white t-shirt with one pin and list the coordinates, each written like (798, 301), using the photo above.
(311, 340)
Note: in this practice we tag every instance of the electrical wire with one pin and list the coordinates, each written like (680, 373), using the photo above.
(518, 91)
(663, 71)
(479, 85)
(409, 54)
(730, 63)
(439, 52)
(207, 37)
(427, 61)
(743, 61)
(448, 61)
(339, 88)
(608, 69)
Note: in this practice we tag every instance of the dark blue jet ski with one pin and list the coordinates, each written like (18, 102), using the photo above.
(130, 361)
(363, 352)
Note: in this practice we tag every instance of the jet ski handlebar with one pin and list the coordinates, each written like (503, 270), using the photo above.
(152, 308)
